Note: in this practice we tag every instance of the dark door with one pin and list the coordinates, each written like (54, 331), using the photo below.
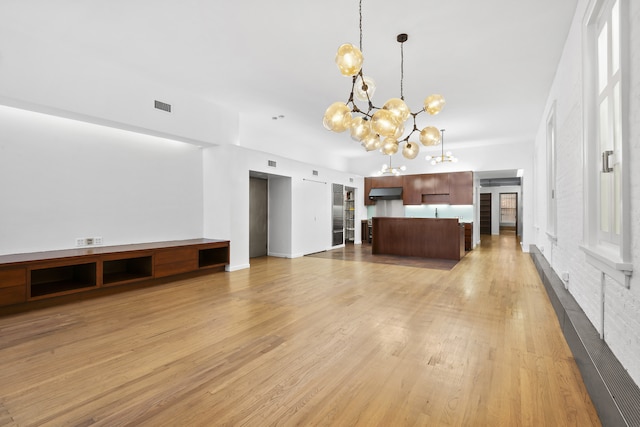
(258, 217)
(485, 213)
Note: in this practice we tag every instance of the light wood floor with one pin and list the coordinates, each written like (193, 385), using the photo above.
(308, 341)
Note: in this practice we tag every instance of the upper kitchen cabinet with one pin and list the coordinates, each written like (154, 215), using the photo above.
(380, 182)
(435, 189)
(461, 188)
(412, 189)
(455, 188)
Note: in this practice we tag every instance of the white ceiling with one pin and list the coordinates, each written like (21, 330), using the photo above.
(493, 60)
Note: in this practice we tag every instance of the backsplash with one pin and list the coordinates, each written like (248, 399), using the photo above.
(463, 212)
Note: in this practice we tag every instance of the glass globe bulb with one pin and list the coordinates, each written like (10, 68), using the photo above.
(383, 123)
(361, 93)
(433, 104)
(359, 128)
(410, 150)
(398, 108)
(349, 59)
(371, 142)
(403, 168)
(430, 136)
(389, 146)
(378, 142)
(337, 117)
(399, 131)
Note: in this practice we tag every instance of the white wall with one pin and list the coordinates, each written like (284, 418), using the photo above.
(61, 179)
(495, 206)
(79, 80)
(226, 200)
(622, 309)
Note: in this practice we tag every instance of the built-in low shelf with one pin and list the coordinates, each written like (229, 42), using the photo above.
(35, 276)
(62, 279)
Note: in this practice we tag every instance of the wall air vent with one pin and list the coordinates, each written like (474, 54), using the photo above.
(163, 106)
(272, 163)
(315, 173)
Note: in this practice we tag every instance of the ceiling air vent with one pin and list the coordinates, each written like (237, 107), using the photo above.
(163, 106)
(272, 163)
(315, 173)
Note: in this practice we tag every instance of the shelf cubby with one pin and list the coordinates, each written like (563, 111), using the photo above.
(212, 257)
(123, 270)
(62, 279)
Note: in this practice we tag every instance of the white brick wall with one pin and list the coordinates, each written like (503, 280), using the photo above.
(622, 307)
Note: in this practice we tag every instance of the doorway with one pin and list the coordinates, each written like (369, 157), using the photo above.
(258, 216)
(508, 213)
(349, 215)
(485, 213)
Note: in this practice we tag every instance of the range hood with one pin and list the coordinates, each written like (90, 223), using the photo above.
(391, 193)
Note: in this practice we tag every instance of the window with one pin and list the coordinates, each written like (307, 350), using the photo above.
(508, 209)
(551, 174)
(607, 207)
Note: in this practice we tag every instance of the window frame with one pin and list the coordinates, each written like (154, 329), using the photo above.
(613, 259)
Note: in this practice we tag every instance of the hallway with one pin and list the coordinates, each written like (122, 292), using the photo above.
(305, 341)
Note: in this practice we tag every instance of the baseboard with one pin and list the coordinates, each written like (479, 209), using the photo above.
(614, 394)
(280, 255)
(236, 267)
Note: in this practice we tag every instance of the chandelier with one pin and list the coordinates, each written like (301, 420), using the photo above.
(443, 157)
(389, 170)
(374, 127)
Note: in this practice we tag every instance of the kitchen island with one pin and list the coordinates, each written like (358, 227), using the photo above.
(441, 238)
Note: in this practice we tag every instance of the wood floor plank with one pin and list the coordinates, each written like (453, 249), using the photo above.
(307, 341)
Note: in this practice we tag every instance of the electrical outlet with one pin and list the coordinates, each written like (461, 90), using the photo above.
(81, 241)
(89, 241)
(97, 240)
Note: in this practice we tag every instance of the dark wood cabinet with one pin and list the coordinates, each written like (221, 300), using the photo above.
(435, 189)
(454, 188)
(468, 236)
(168, 262)
(435, 183)
(13, 285)
(34, 276)
(379, 182)
(461, 188)
(439, 238)
(412, 189)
